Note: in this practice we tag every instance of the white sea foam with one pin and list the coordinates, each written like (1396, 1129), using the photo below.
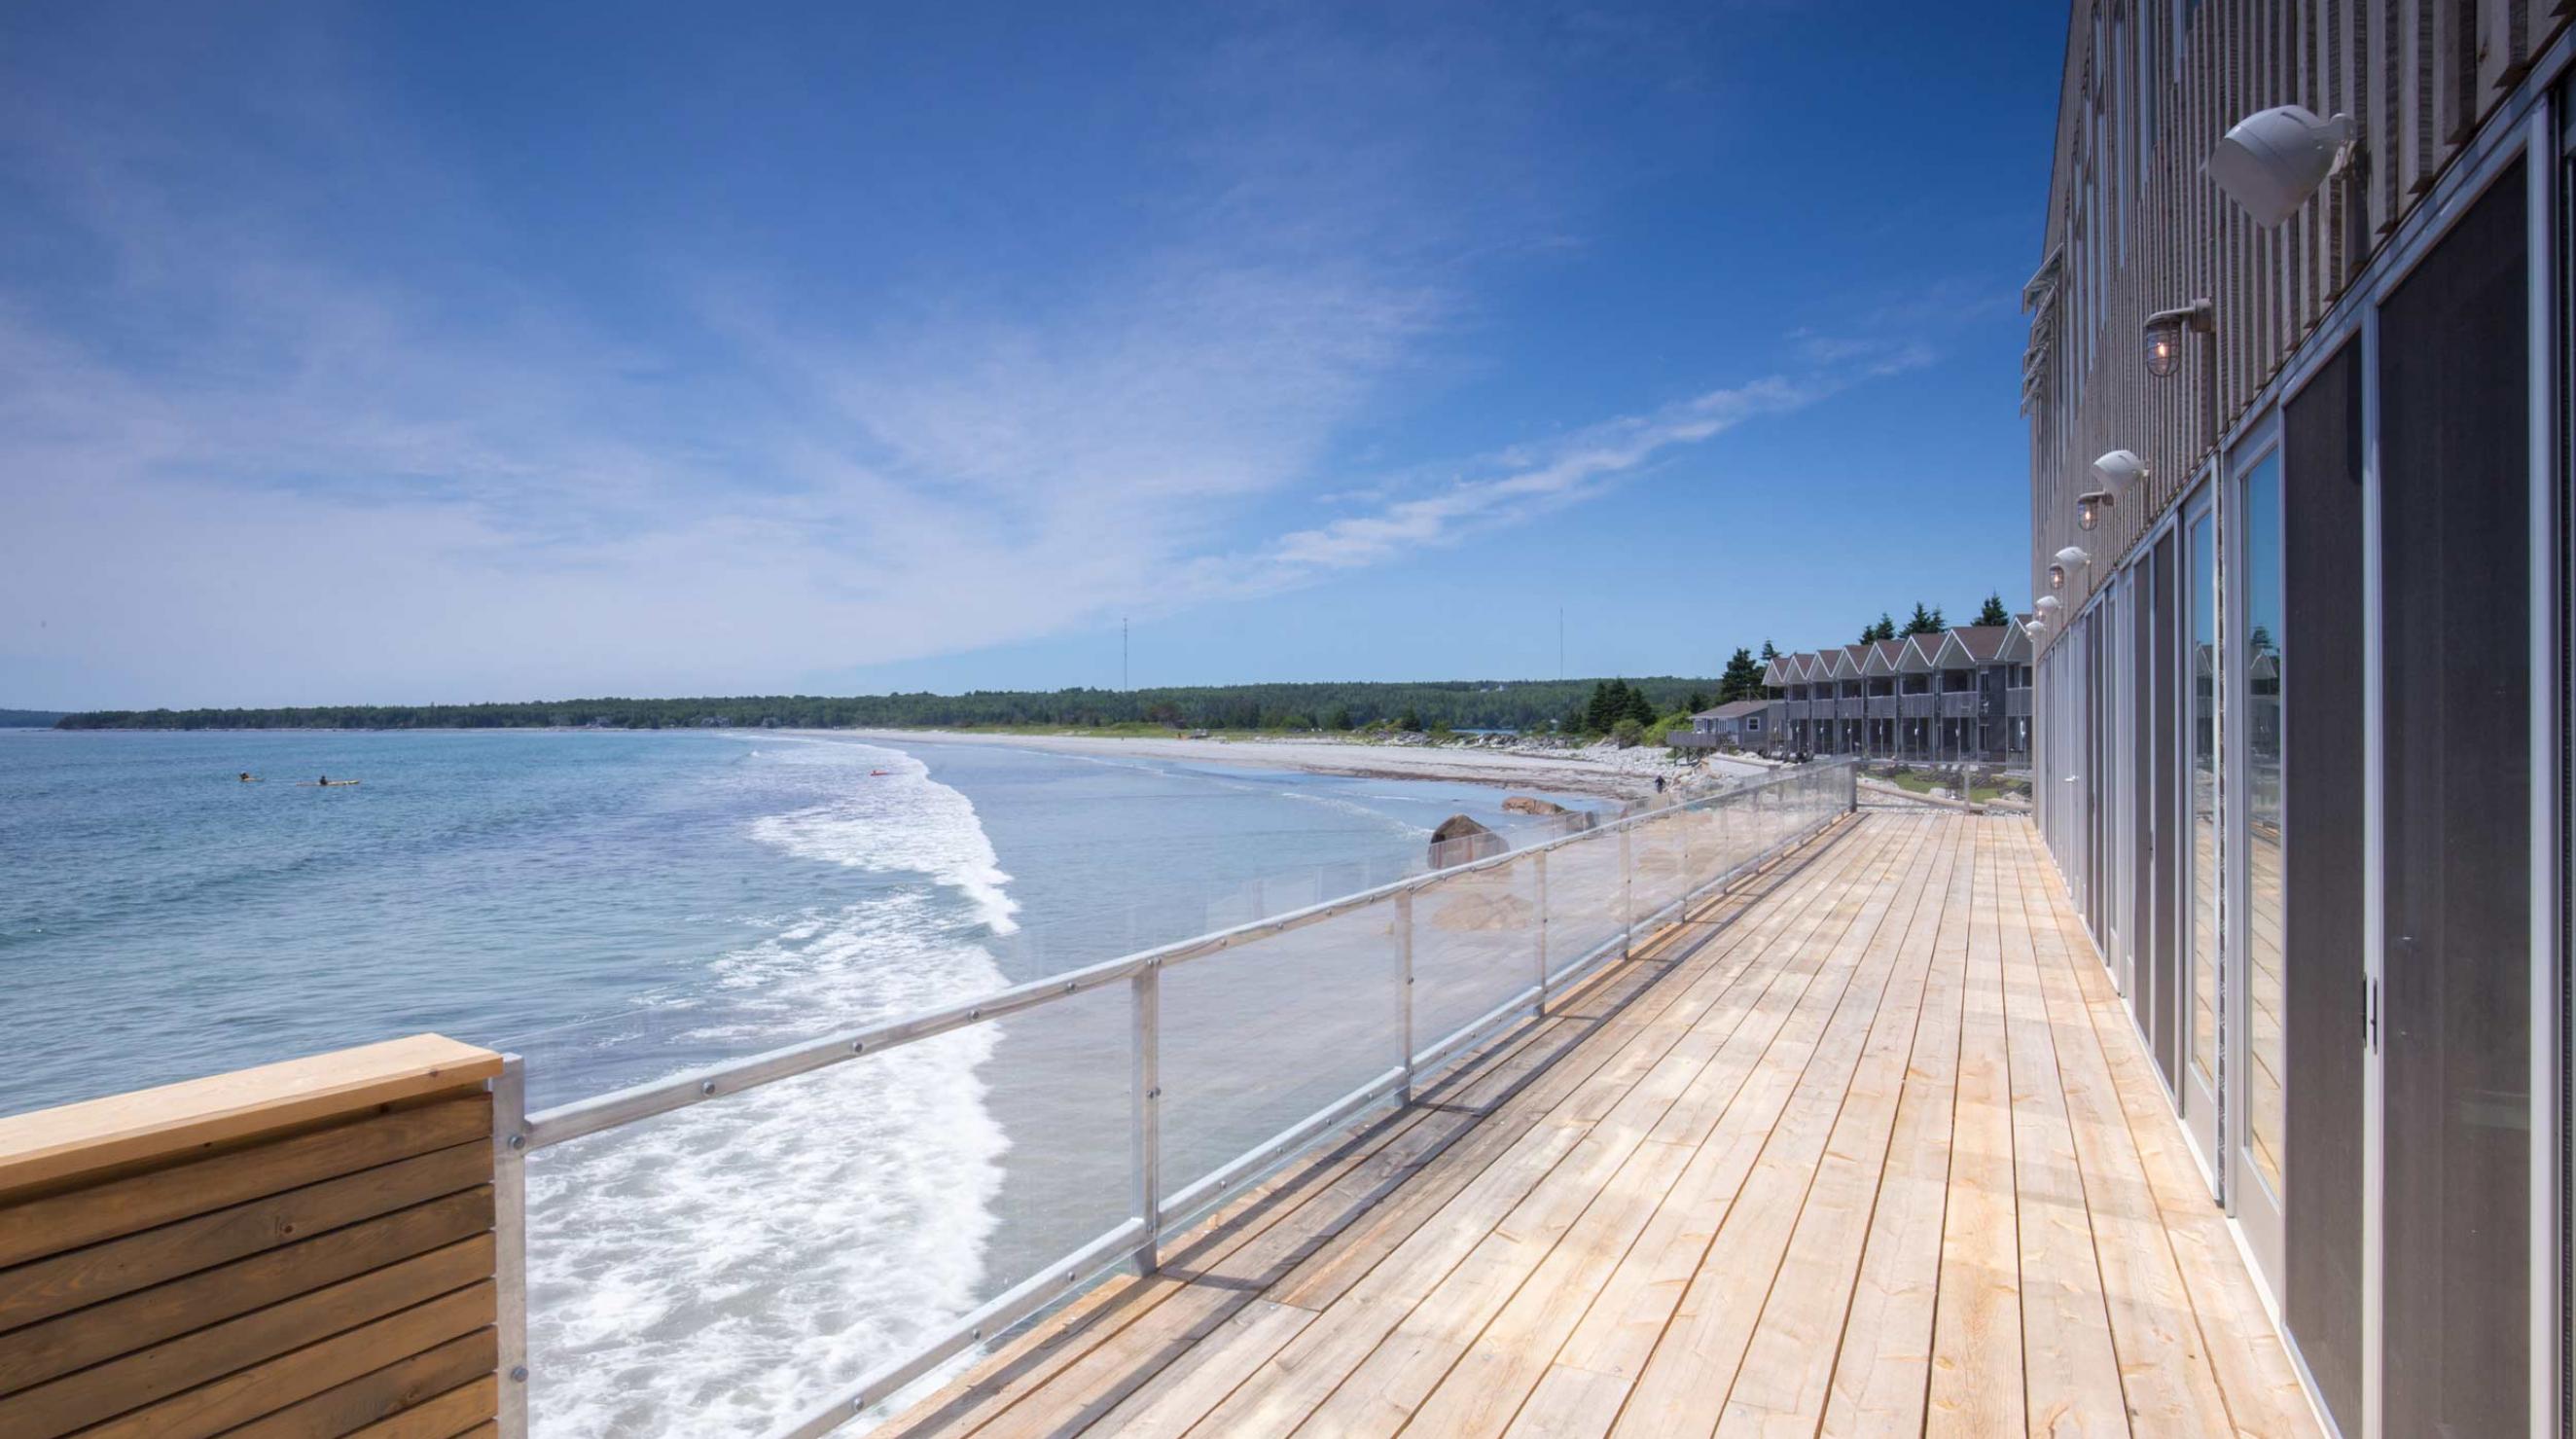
(718, 1270)
(900, 821)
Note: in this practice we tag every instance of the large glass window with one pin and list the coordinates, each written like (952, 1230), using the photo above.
(2258, 628)
(2456, 995)
(2203, 779)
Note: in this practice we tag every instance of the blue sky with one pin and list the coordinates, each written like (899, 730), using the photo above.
(416, 353)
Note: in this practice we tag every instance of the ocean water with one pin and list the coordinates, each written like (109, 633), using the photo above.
(616, 907)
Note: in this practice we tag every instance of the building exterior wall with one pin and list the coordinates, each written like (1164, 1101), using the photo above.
(2134, 227)
(2330, 877)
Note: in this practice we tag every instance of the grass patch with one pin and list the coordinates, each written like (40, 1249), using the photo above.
(1918, 782)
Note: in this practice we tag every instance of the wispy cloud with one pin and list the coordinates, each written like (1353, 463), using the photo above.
(1520, 483)
(256, 454)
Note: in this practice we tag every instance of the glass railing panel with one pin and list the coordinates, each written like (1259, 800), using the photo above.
(1271, 1030)
(1658, 851)
(1584, 898)
(1475, 945)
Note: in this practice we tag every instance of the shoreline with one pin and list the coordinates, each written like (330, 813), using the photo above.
(1595, 770)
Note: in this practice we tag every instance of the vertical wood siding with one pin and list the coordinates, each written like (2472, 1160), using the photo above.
(2419, 76)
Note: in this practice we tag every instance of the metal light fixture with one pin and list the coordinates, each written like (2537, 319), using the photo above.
(2057, 577)
(2118, 469)
(2089, 507)
(2164, 330)
(2271, 161)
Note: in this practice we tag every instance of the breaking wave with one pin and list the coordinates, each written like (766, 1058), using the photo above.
(722, 1269)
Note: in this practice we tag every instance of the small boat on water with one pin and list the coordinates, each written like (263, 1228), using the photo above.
(879, 773)
(326, 783)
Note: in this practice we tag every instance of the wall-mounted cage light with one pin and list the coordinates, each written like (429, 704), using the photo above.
(2164, 330)
(2057, 577)
(2089, 507)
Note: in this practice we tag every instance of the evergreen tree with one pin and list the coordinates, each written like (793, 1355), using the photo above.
(1768, 652)
(1922, 622)
(1885, 629)
(1994, 612)
(1742, 680)
(1609, 701)
(1938, 623)
(1410, 721)
(1698, 701)
(1639, 707)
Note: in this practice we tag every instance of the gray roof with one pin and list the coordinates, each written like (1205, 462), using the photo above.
(1733, 709)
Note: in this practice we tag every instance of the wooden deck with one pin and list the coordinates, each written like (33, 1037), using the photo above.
(1869, 1149)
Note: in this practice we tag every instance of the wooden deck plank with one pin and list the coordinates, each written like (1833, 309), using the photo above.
(1482, 1392)
(1977, 1385)
(1283, 1392)
(2164, 1362)
(1882, 1369)
(1694, 1368)
(1785, 1380)
(2262, 1391)
(2071, 1370)
(1113, 1363)
(1881, 1156)
(1617, 1336)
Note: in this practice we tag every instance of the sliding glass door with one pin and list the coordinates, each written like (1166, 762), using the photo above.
(2320, 858)
(2202, 960)
(2456, 672)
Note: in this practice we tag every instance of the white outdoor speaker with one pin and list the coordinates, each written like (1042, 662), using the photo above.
(2273, 160)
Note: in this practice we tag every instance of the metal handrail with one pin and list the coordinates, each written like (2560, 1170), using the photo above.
(1138, 1238)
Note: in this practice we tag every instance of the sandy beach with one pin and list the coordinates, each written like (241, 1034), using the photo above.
(1601, 769)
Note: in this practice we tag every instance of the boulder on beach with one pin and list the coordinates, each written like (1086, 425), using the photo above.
(1460, 839)
(1531, 804)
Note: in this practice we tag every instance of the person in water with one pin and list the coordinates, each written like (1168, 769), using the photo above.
(245, 776)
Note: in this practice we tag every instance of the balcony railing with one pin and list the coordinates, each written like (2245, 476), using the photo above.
(1961, 704)
(1882, 706)
(1915, 706)
(1494, 938)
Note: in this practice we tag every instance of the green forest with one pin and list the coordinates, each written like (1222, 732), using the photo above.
(1451, 705)
(1630, 709)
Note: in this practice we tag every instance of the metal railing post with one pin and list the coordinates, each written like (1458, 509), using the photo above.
(1147, 1012)
(1540, 859)
(1627, 900)
(1690, 869)
(1404, 989)
(510, 1240)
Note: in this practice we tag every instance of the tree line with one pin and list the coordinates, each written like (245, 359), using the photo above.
(1526, 705)
(1929, 621)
